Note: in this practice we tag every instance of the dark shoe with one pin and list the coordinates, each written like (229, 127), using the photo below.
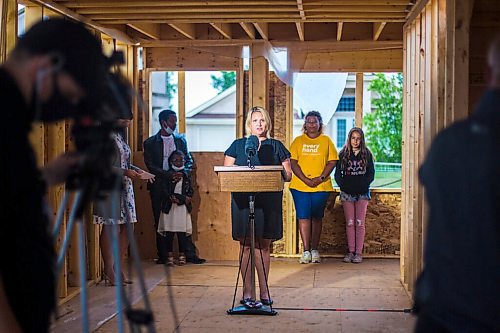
(160, 261)
(266, 302)
(196, 260)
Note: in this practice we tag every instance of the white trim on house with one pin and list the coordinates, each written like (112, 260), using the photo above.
(210, 102)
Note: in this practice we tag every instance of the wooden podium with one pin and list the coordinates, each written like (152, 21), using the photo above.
(251, 180)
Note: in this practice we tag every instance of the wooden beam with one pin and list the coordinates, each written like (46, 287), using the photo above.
(113, 33)
(415, 12)
(181, 91)
(33, 14)
(177, 4)
(347, 9)
(186, 29)
(340, 25)
(258, 83)
(249, 29)
(8, 27)
(359, 100)
(310, 46)
(357, 2)
(300, 7)
(152, 30)
(300, 30)
(185, 11)
(263, 29)
(351, 18)
(377, 29)
(224, 29)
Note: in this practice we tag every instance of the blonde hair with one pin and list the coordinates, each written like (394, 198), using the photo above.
(267, 118)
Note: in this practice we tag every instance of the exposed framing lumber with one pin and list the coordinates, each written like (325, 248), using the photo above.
(300, 7)
(350, 18)
(177, 4)
(340, 26)
(359, 100)
(249, 29)
(415, 11)
(113, 33)
(263, 29)
(344, 46)
(347, 9)
(186, 29)
(8, 31)
(152, 30)
(300, 30)
(186, 11)
(378, 27)
(181, 91)
(224, 29)
(356, 2)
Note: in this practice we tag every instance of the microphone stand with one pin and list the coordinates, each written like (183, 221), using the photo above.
(254, 307)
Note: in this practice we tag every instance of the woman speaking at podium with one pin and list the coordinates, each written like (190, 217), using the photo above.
(268, 205)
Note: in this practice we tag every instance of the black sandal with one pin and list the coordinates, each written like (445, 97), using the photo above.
(266, 302)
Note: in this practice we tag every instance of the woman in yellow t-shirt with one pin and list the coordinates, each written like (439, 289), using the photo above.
(313, 157)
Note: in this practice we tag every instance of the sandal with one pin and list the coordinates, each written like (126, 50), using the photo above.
(266, 302)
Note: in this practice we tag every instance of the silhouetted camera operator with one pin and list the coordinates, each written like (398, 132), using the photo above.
(54, 67)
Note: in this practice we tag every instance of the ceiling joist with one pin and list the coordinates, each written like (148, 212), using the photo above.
(300, 30)
(186, 29)
(263, 29)
(249, 29)
(151, 30)
(234, 20)
(377, 29)
(340, 25)
(224, 29)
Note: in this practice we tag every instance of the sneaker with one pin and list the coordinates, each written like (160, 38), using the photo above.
(170, 261)
(306, 257)
(357, 258)
(315, 259)
(348, 257)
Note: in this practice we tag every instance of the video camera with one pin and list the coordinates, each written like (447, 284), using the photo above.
(93, 133)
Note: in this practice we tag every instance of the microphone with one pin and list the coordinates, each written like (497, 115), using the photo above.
(251, 145)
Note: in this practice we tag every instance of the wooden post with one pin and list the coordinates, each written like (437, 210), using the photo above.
(181, 90)
(33, 14)
(8, 27)
(259, 83)
(240, 92)
(359, 100)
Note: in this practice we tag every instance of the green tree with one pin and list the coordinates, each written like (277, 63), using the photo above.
(384, 123)
(223, 82)
(170, 88)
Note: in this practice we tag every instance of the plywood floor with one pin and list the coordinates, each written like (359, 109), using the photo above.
(305, 297)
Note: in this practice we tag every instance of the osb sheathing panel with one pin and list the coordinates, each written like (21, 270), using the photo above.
(211, 211)
(144, 228)
(382, 223)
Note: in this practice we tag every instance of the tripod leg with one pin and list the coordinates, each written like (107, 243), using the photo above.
(83, 277)
(71, 222)
(138, 269)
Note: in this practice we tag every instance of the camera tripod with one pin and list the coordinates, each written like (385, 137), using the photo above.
(83, 195)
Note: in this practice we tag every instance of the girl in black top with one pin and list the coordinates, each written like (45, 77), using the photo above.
(354, 174)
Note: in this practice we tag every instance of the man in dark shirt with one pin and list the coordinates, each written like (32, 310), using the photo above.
(52, 68)
(157, 149)
(458, 288)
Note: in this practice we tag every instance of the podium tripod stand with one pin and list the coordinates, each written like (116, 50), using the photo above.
(242, 179)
